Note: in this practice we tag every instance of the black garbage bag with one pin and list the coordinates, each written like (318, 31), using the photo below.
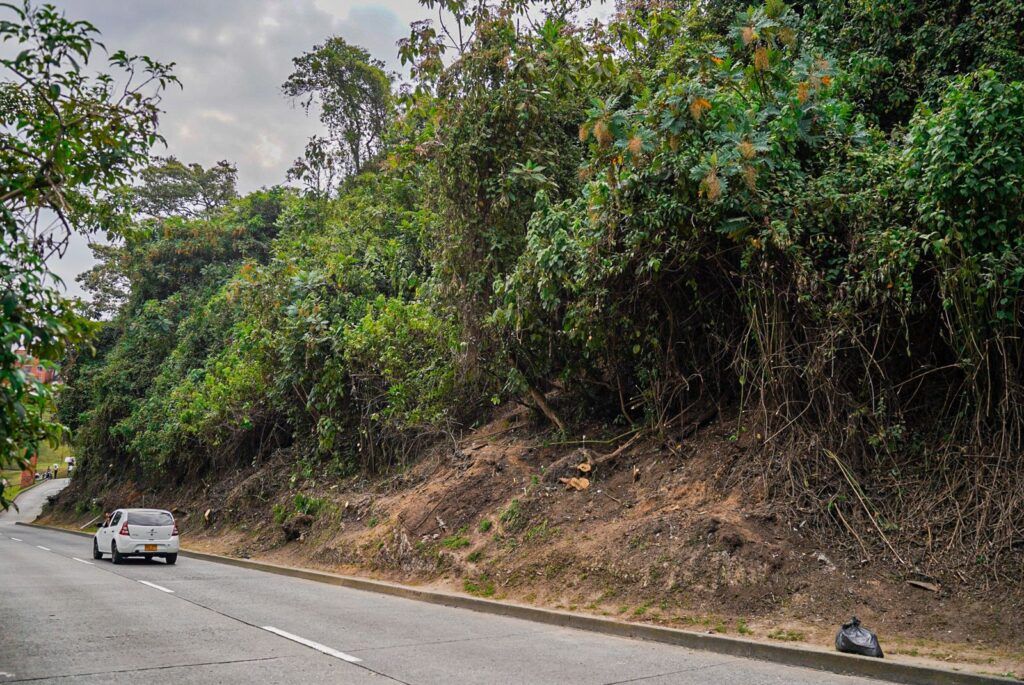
(853, 639)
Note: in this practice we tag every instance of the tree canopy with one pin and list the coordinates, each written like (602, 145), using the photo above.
(169, 188)
(353, 94)
(804, 218)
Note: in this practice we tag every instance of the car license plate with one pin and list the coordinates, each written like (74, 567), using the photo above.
(150, 548)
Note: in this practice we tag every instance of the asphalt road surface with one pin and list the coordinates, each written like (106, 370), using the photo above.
(65, 618)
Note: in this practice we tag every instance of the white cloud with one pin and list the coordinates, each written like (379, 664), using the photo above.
(232, 56)
(218, 115)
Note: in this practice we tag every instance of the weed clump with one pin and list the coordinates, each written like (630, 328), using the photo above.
(512, 516)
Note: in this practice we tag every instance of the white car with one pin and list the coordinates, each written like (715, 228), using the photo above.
(137, 533)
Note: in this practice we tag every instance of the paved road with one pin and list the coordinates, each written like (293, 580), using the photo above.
(65, 618)
(30, 503)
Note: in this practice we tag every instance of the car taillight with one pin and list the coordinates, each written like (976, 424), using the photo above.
(175, 531)
(124, 529)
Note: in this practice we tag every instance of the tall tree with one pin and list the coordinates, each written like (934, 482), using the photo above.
(106, 282)
(354, 96)
(70, 140)
(172, 188)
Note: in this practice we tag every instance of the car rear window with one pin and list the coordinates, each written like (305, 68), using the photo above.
(150, 518)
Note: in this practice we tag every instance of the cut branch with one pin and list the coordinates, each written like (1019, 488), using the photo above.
(545, 408)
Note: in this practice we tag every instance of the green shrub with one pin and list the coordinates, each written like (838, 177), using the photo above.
(305, 504)
(280, 513)
(405, 351)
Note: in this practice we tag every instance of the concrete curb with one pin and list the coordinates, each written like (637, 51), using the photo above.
(833, 662)
(24, 490)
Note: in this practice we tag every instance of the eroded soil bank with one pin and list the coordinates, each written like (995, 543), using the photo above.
(665, 534)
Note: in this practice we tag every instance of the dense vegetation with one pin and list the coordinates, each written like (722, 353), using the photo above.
(810, 217)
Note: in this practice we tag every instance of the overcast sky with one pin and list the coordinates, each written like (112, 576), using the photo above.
(232, 56)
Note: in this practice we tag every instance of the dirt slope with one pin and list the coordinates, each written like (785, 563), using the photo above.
(664, 533)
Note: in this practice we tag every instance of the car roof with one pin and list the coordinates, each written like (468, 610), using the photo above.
(157, 511)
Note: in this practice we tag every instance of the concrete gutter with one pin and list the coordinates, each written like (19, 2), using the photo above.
(833, 662)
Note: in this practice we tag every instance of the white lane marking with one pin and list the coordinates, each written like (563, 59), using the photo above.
(45, 549)
(82, 561)
(315, 645)
(154, 585)
(16, 539)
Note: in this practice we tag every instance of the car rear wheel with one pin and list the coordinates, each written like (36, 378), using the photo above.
(115, 556)
(171, 558)
(96, 553)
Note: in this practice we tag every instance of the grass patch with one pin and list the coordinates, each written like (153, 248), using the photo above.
(742, 628)
(475, 556)
(512, 516)
(456, 542)
(787, 635)
(509, 542)
(540, 532)
(480, 588)
(485, 525)
(47, 458)
(13, 479)
(642, 609)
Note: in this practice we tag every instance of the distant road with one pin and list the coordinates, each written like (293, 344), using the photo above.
(65, 618)
(30, 503)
